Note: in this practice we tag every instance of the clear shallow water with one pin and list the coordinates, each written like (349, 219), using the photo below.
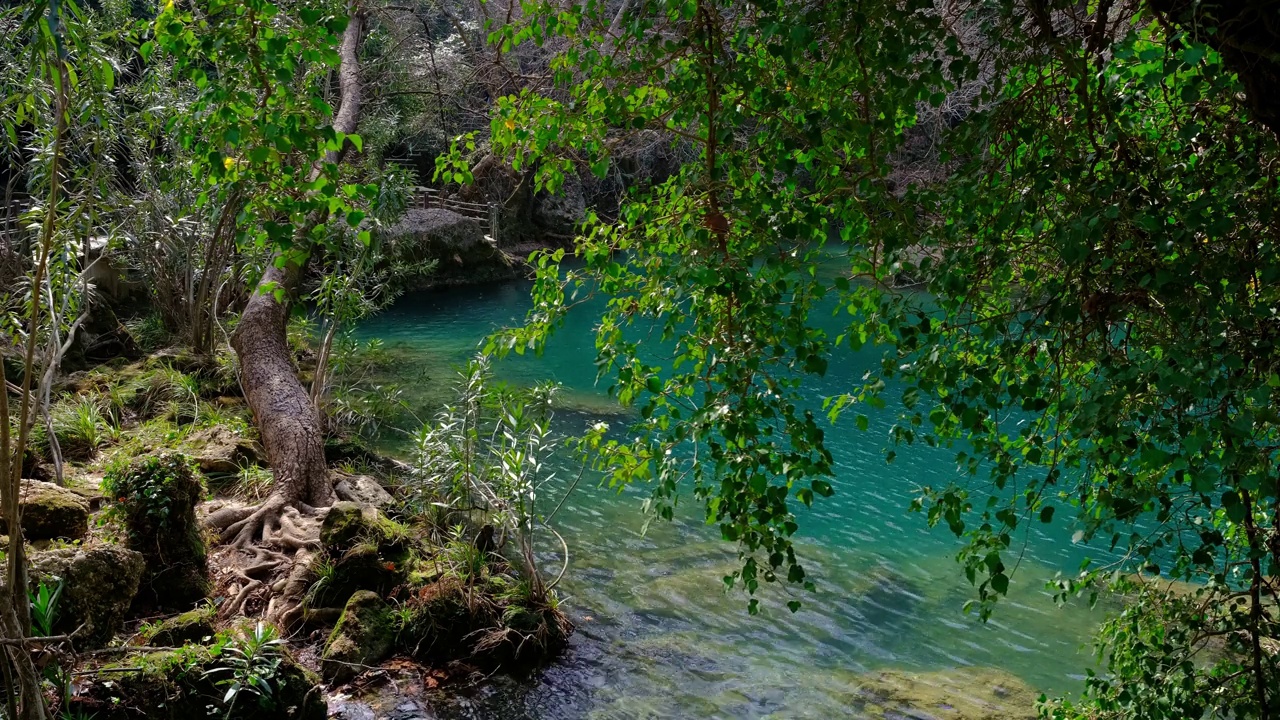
(657, 634)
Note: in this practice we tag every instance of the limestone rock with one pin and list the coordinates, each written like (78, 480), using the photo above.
(348, 524)
(99, 584)
(218, 449)
(49, 511)
(364, 635)
(361, 489)
(456, 243)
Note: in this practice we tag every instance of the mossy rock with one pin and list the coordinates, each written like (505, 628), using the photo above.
(442, 621)
(220, 449)
(360, 568)
(191, 626)
(98, 586)
(177, 684)
(50, 512)
(960, 694)
(364, 635)
(348, 524)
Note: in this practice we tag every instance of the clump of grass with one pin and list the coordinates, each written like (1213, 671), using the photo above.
(171, 392)
(253, 483)
(80, 427)
(148, 331)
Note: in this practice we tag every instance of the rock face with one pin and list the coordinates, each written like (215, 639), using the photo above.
(158, 497)
(99, 584)
(559, 214)
(457, 244)
(219, 450)
(361, 489)
(49, 512)
(364, 635)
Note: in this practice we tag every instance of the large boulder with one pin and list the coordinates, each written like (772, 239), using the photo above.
(456, 244)
(218, 449)
(364, 635)
(361, 489)
(98, 586)
(49, 512)
(157, 495)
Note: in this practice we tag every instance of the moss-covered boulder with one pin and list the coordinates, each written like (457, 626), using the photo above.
(348, 524)
(960, 694)
(364, 636)
(157, 496)
(191, 626)
(192, 682)
(361, 549)
(98, 586)
(49, 512)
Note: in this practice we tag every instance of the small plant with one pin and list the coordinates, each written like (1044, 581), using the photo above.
(253, 483)
(324, 572)
(462, 558)
(44, 607)
(248, 668)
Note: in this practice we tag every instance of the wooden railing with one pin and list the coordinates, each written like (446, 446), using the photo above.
(425, 198)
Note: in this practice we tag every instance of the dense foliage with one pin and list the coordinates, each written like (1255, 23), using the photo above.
(1097, 243)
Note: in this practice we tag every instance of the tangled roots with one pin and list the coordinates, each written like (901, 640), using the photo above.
(262, 545)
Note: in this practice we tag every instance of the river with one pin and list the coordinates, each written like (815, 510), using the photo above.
(658, 636)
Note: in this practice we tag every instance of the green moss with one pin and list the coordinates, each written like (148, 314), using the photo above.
(191, 626)
(364, 635)
(178, 684)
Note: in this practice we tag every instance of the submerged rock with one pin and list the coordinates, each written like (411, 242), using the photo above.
(960, 694)
(50, 512)
(98, 586)
(364, 636)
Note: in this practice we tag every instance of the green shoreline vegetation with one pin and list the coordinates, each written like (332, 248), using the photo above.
(1037, 241)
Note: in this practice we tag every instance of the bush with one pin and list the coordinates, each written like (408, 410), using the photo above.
(156, 498)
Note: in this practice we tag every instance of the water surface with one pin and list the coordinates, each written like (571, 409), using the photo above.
(658, 636)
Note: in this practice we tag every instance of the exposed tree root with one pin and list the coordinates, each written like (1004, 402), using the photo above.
(264, 546)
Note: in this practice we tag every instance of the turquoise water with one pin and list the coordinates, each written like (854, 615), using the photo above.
(658, 636)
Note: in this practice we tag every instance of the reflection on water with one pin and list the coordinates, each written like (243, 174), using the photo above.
(658, 636)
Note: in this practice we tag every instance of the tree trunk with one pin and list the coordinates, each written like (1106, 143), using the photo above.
(288, 421)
